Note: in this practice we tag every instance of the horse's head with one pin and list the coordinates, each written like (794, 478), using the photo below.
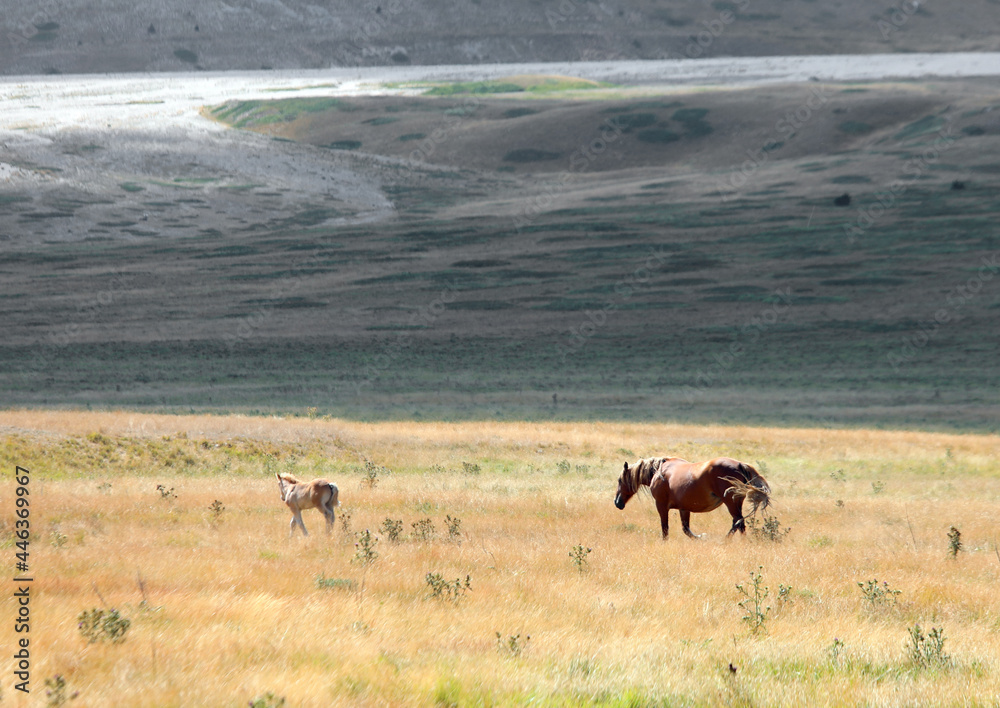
(634, 477)
(281, 486)
(626, 486)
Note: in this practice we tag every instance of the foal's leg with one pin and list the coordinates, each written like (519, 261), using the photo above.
(686, 524)
(330, 517)
(297, 519)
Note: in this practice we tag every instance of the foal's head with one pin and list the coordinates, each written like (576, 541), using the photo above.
(284, 482)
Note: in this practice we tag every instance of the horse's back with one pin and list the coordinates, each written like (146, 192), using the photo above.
(725, 462)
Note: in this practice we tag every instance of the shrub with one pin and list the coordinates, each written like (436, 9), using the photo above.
(454, 528)
(55, 692)
(324, 583)
(445, 589)
(954, 541)
(216, 508)
(512, 645)
(834, 650)
(268, 700)
(366, 553)
(392, 528)
(371, 474)
(98, 626)
(767, 530)
(579, 555)
(423, 530)
(878, 597)
(755, 610)
(927, 651)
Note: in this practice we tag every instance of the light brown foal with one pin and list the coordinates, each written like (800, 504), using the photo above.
(695, 487)
(298, 496)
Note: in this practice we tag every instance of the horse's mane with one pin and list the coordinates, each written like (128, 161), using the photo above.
(290, 478)
(641, 474)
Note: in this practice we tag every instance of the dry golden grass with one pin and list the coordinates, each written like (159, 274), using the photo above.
(230, 609)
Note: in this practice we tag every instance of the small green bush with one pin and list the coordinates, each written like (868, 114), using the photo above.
(98, 625)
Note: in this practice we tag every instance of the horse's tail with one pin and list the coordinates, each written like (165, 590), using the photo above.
(334, 495)
(753, 487)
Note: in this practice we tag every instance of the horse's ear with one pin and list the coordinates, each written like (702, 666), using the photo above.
(626, 467)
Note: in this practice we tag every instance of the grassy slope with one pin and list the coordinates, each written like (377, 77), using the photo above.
(232, 609)
(464, 305)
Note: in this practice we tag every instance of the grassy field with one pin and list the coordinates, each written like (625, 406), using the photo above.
(545, 593)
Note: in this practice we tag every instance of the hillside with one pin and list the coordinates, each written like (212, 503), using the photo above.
(542, 259)
(74, 36)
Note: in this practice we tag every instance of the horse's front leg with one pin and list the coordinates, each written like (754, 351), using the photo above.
(663, 508)
(686, 524)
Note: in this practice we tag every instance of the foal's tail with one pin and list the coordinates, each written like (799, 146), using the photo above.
(334, 495)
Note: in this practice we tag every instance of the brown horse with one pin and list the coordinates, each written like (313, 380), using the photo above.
(695, 487)
(299, 496)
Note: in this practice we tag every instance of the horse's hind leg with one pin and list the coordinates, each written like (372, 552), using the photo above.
(686, 524)
(735, 506)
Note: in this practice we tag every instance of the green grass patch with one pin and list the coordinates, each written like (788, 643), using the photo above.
(658, 135)
(927, 124)
(245, 114)
(343, 145)
(850, 179)
(474, 87)
(516, 84)
(633, 121)
(693, 120)
(519, 112)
